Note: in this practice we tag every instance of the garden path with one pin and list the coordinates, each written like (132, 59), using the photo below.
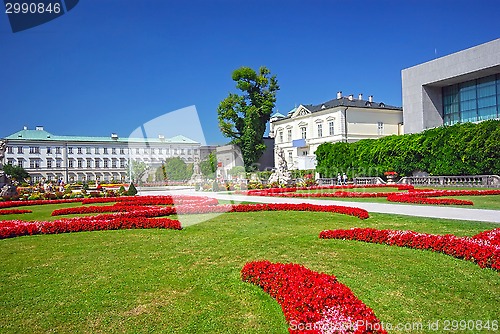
(492, 216)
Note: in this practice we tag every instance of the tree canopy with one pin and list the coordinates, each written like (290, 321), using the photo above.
(16, 173)
(208, 166)
(244, 117)
(177, 170)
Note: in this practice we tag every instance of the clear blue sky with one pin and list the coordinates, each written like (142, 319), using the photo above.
(112, 65)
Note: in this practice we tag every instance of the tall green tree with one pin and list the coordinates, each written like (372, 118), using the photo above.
(136, 170)
(208, 166)
(16, 173)
(243, 117)
(177, 170)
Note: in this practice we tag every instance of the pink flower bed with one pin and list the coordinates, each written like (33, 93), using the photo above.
(16, 228)
(312, 302)
(483, 248)
(14, 211)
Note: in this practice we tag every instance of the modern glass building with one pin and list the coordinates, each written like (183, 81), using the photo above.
(461, 87)
(472, 101)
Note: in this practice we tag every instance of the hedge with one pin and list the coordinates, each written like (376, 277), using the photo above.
(460, 149)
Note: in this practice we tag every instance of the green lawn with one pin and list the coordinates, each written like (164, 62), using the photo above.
(188, 281)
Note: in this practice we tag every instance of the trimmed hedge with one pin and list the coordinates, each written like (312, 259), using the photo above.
(460, 149)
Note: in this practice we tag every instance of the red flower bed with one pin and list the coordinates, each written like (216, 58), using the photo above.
(14, 211)
(312, 302)
(483, 249)
(282, 191)
(16, 228)
(411, 198)
(11, 204)
(152, 211)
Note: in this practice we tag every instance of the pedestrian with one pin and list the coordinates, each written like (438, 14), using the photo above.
(339, 179)
(344, 177)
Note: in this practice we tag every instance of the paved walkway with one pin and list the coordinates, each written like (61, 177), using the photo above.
(492, 216)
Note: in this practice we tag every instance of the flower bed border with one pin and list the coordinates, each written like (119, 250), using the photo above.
(482, 249)
(312, 302)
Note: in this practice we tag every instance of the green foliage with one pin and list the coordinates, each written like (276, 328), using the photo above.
(136, 170)
(208, 166)
(177, 170)
(244, 117)
(236, 170)
(461, 149)
(132, 191)
(16, 173)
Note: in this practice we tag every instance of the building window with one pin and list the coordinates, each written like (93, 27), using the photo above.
(36, 163)
(89, 163)
(71, 163)
(80, 163)
(79, 150)
(113, 163)
(96, 150)
(290, 156)
(105, 150)
(10, 150)
(113, 150)
(137, 151)
(20, 163)
(122, 163)
(380, 128)
(289, 135)
(304, 152)
(320, 130)
(58, 163)
(106, 163)
(331, 126)
(122, 151)
(281, 136)
(189, 151)
(10, 162)
(49, 163)
(70, 150)
(58, 150)
(49, 150)
(19, 150)
(88, 150)
(303, 131)
(97, 163)
(472, 101)
(34, 150)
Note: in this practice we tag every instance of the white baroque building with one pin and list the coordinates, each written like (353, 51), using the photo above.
(344, 119)
(77, 158)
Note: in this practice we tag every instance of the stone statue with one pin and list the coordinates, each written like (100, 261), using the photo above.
(7, 190)
(196, 178)
(281, 175)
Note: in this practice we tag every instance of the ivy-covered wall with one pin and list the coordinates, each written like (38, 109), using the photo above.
(461, 149)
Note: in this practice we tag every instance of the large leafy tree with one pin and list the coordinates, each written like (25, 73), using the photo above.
(16, 173)
(177, 170)
(208, 166)
(244, 117)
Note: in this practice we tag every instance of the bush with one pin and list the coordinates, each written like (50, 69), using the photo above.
(132, 191)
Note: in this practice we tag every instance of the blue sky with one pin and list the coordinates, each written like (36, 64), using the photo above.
(112, 65)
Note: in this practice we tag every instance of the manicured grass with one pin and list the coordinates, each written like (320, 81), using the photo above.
(188, 281)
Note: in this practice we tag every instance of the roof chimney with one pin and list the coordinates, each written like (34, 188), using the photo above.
(351, 97)
(360, 96)
(25, 127)
(370, 98)
(39, 128)
(114, 136)
(339, 94)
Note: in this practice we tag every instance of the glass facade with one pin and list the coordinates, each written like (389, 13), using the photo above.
(472, 101)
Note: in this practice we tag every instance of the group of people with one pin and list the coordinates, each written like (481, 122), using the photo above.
(341, 179)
